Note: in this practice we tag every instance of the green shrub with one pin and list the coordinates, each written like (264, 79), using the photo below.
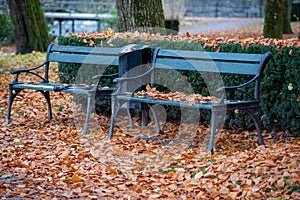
(6, 29)
(280, 88)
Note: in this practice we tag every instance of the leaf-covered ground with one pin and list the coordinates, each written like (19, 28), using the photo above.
(245, 36)
(49, 159)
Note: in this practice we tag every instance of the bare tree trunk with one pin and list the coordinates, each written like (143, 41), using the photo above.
(287, 17)
(143, 15)
(273, 19)
(30, 28)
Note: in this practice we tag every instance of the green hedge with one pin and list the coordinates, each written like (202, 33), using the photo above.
(280, 89)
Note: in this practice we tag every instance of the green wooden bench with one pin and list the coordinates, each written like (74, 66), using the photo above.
(252, 65)
(66, 54)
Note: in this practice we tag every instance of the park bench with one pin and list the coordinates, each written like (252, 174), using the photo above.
(77, 10)
(251, 65)
(78, 6)
(86, 56)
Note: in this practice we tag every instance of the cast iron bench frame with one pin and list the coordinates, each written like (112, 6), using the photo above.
(225, 63)
(66, 54)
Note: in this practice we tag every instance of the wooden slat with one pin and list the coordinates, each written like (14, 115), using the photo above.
(207, 66)
(86, 59)
(236, 57)
(85, 50)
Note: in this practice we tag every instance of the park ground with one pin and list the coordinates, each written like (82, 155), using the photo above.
(49, 159)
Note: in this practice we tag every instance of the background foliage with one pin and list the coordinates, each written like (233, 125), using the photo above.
(6, 29)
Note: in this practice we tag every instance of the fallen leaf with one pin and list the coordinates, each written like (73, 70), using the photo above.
(198, 175)
(224, 190)
(75, 178)
(280, 183)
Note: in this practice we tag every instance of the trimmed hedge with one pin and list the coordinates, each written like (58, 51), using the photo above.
(280, 89)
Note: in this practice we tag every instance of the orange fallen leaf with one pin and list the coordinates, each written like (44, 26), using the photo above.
(187, 34)
(112, 171)
(270, 163)
(75, 178)
(21, 186)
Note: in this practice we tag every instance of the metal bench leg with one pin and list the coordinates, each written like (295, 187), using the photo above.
(47, 97)
(112, 120)
(254, 113)
(12, 94)
(145, 114)
(115, 106)
(157, 125)
(88, 113)
(130, 119)
(216, 118)
(213, 129)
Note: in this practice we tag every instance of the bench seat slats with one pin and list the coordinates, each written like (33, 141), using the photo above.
(39, 86)
(57, 87)
(86, 50)
(216, 56)
(204, 66)
(229, 105)
(86, 59)
(164, 102)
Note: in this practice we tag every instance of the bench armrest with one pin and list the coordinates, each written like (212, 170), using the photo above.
(133, 78)
(226, 88)
(17, 72)
(238, 88)
(99, 76)
(137, 79)
(104, 76)
(22, 70)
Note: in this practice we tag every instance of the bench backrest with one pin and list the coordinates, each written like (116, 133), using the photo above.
(83, 55)
(233, 63)
(216, 62)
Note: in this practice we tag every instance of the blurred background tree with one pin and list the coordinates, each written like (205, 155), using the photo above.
(273, 19)
(277, 18)
(140, 15)
(30, 28)
(286, 26)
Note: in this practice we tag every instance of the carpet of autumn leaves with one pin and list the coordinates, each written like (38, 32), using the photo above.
(49, 159)
(244, 36)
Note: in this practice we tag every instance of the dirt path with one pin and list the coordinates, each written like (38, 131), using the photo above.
(202, 25)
